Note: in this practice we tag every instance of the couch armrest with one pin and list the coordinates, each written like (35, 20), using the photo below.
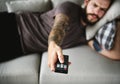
(87, 67)
(22, 70)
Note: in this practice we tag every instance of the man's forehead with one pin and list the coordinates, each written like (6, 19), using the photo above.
(102, 3)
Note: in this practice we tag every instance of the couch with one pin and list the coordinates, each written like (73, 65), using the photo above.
(87, 66)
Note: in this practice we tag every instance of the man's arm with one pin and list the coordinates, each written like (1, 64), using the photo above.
(113, 54)
(58, 30)
(55, 40)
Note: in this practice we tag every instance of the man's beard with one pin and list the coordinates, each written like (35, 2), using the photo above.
(85, 19)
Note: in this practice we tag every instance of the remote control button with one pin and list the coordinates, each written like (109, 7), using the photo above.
(58, 65)
(65, 66)
(61, 65)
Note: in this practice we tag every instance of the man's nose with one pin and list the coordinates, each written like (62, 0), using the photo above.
(97, 11)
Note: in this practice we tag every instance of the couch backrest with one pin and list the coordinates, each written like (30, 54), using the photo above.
(35, 5)
(57, 2)
(28, 5)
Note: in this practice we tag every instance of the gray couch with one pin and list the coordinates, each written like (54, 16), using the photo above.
(87, 66)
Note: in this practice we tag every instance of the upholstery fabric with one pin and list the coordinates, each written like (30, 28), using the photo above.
(28, 5)
(86, 66)
(57, 2)
(20, 70)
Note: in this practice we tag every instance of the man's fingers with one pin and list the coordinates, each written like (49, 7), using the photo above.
(49, 63)
(52, 66)
(69, 63)
(53, 62)
(60, 56)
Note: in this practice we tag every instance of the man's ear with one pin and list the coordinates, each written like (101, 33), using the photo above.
(86, 2)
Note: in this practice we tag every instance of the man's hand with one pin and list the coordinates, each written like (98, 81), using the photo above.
(54, 54)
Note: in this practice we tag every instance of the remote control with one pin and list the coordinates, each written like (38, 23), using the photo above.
(62, 67)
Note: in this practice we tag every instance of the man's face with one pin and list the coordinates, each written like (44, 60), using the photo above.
(95, 9)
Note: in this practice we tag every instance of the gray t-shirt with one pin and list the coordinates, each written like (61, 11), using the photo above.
(34, 28)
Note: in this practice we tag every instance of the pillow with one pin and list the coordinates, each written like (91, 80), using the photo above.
(28, 5)
(105, 35)
(57, 2)
(114, 53)
(111, 14)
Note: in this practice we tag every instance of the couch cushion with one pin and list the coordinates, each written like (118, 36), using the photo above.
(57, 2)
(112, 13)
(105, 35)
(87, 67)
(28, 5)
(22, 70)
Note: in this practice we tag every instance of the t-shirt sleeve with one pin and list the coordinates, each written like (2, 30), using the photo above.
(67, 8)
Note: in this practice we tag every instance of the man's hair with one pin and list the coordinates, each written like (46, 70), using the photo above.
(112, 1)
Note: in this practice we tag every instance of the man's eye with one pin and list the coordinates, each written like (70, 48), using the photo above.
(94, 5)
(102, 9)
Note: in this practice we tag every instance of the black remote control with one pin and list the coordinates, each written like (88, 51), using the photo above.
(62, 67)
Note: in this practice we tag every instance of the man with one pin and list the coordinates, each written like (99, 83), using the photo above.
(59, 28)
